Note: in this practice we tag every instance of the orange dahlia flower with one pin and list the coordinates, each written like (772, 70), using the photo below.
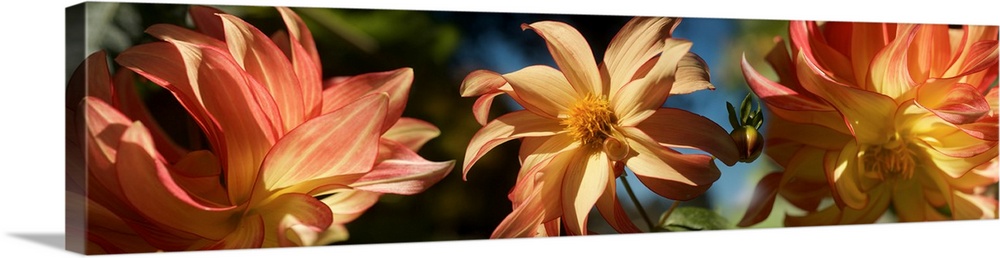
(880, 117)
(584, 123)
(290, 162)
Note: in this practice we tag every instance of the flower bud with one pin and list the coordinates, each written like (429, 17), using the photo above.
(748, 142)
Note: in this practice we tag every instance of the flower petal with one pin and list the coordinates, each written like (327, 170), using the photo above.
(860, 109)
(969, 206)
(572, 54)
(301, 50)
(666, 172)
(889, 73)
(612, 210)
(249, 234)
(395, 83)
(543, 90)
(762, 201)
(640, 98)
(170, 32)
(867, 39)
(906, 203)
(405, 173)
(505, 128)
(957, 103)
(692, 75)
(537, 202)
(340, 142)
(412, 132)
(147, 184)
(481, 82)
(298, 218)
(778, 95)
(808, 40)
(638, 41)
(585, 180)
(264, 61)
(207, 21)
(845, 178)
(347, 205)
(680, 128)
(930, 54)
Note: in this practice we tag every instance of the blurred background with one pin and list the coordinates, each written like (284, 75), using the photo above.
(442, 48)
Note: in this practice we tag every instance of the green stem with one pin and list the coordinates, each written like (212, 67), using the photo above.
(631, 195)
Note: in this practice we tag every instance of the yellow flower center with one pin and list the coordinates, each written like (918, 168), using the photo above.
(590, 121)
(891, 160)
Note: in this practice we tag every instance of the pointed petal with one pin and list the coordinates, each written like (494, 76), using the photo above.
(129, 102)
(395, 83)
(170, 32)
(536, 202)
(692, 75)
(640, 98)
(680, 128)
(612, 210)
(505, 128)
(343, 141)
(544, 90)
(347, 205)
(264, 62)
(956, 167)
(207, 21)
(762, 201)
(957, 103)
(778, 95)
(105, 125)
(148, 186)
(523, 220)
(638, 41)
(301, 50)
(411, 132)
(572, 54)
(481, 82)
(865, 113)
(930, 53)
(585, 181)
(889, 72)
(666, 172)
(867, 39)
(807, 38)
(481, 109)
(405, 173)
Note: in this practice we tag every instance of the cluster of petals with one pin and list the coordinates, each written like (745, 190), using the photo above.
(584, 123)
(877, 117)
(292, 158)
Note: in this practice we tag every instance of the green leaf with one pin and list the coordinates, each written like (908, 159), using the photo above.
(733, 120)
(745, 109)
(693, 219)
(760, 121)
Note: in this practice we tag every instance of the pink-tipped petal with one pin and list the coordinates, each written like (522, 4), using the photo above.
(505, 128)
(680, 128)
(666, 172)
(411, 132)
(404, 173)
(265, 63)
(572, 54)
(889, 73)
(149, 187)
(778, 95)
(340, 142)
(395, 83)
(168, 32)
(207, 21)
(298, 218)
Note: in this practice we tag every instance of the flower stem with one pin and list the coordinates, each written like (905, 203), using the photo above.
(631, 195)
(666, 215)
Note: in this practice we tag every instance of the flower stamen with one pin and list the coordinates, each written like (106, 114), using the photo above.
(590, 121)
(889, 161)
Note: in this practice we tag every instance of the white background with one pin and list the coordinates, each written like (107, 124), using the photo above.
(31, 143)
